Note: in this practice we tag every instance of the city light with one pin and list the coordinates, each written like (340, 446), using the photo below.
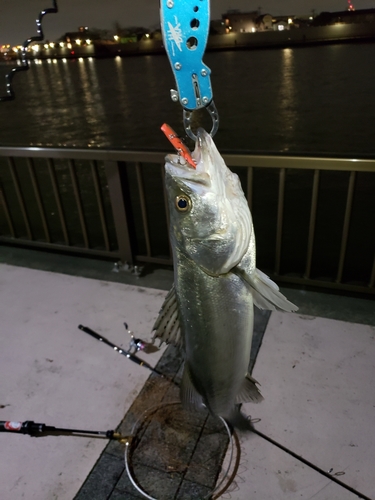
(78, 41)
(116, 37)
(88, 42)
(61, 44)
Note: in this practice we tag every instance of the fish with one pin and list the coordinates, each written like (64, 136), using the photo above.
(209, 310)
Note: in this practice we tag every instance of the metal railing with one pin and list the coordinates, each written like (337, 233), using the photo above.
(314, 217)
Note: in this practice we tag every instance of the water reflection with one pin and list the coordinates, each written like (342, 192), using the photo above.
(94, 113)
(265, 100)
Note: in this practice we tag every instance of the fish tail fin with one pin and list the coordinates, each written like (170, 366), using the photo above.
(237, 420)
(190, 398)
(266, 294)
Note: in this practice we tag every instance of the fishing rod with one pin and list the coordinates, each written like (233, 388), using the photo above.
(37, 430)
(135, 346)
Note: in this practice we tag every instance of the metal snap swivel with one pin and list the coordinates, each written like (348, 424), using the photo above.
(187, 116)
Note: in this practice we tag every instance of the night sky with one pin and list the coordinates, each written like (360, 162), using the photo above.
(17, 17)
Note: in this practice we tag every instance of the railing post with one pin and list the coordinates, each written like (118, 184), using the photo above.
(112, 171)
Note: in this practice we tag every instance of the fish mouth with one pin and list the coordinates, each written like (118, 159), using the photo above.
(178, 166)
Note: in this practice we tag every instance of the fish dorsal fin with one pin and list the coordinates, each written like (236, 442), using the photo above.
(167, 325)
(265, 292)
(249, 392)
(190, 398)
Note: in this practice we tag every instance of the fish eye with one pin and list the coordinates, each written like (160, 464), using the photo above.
(183, 203)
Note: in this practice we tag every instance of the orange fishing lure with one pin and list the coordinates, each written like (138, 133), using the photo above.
(178, 144)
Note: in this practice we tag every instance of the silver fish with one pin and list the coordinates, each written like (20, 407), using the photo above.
(210, 308)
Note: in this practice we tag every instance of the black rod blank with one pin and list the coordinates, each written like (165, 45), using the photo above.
(34, 429)
(118, 349)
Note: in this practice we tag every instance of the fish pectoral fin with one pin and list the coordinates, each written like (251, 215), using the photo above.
(249, 392)
(190, 397)
(167, 325)
(265, 292)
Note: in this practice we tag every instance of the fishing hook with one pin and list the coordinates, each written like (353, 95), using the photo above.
(24, 62)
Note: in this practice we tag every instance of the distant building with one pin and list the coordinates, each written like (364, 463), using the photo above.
(236, 21)
(83, 35)
(264, 22)
(217, 27)
(345, 16)
(281, 23)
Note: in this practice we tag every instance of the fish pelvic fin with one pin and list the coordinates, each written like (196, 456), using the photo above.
(249, 392)
(190, 397)
(265, 292)
(167, 325)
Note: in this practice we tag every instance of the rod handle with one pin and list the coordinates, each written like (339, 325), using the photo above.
(27, 427)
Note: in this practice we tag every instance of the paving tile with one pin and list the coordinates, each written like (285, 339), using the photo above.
(167, 444)
(103, 479)
(171, 361)
(149, 397)
(121, 495)
(207, 458)
(192, 491)
(155, 483)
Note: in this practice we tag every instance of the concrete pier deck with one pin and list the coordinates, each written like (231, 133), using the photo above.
(316, 368)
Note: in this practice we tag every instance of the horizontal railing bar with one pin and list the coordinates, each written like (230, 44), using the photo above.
(154, 260)
(322, 284)
(87, 154)
(300, 163)
(237, 160)
(60, 247)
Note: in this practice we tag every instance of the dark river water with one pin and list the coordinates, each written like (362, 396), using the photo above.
(318, 100)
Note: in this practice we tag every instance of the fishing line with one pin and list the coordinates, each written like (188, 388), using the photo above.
(137, 426)
(24, 66)
(311, 465)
